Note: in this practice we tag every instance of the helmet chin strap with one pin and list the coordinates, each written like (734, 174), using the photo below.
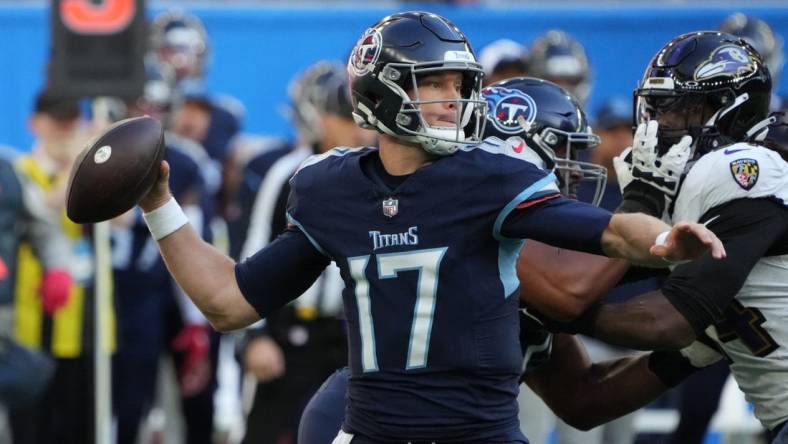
(705, 143)
(723, 111)
(756, 132)
(438, 140)
(759, 131)
(526, 125)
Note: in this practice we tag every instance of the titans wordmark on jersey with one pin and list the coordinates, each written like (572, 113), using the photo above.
(755, 334)
(433, 326)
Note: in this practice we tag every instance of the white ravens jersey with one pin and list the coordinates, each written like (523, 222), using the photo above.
(760, 360)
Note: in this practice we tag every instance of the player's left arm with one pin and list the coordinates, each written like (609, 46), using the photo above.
(636, 238)
(567, 223)
(697, 293)
(609, 389)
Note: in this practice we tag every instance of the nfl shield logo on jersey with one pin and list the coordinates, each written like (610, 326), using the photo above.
(390, 207)
(745, 172)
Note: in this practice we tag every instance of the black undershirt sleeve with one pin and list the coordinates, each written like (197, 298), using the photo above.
(749, 229)
(280, 272)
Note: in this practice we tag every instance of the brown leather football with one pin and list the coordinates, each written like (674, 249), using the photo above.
(115, 171)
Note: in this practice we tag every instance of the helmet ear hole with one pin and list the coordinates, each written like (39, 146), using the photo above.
(551, 139)
(717, 101)
(408, 117)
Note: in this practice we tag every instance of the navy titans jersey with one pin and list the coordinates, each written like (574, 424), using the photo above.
(430, 288)
(323, 415)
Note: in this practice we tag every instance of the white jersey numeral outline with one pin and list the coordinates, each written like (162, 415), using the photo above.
(427, 264)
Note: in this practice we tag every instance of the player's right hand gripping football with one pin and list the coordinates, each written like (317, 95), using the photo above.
(159, 194)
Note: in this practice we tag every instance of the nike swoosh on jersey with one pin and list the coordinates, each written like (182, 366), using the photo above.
(735, 151)
(706, 224)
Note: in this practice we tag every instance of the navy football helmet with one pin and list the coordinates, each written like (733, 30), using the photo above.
(503, 59)
(179, 44)
(558, 57)
(322, 88)
(761, 36)
(710, 85)
(551, 123)
(386, 63)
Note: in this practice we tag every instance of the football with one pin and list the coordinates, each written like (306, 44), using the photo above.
(115, 170)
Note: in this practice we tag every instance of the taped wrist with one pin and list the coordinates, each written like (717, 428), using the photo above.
(670, 366)
(165, 220)
(639, 197)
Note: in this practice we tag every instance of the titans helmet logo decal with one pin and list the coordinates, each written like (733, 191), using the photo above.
(366, 52)
(506, 106)
(728, 61)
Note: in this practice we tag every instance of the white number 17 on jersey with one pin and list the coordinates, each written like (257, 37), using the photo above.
(427, 263)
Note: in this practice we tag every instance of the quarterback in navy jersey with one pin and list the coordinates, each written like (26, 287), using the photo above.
(554, 367)
(425, 230)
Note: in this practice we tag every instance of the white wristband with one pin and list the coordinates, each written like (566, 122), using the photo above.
(164, 220)
(661, 238)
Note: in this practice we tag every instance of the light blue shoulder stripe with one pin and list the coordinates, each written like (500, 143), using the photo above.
(509, 249)
(498, 147)
(508, 252)
(317, 158)
(547, 182)
(491, 145)
(312, 240)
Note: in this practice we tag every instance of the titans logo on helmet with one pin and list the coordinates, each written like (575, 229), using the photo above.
(366, 52)
(728, 60)
(506, 106)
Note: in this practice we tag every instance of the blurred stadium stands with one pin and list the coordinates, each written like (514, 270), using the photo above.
(258, 45)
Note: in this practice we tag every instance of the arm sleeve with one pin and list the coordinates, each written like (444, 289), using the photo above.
(560, 222)
(749, 229)
(280, 272)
